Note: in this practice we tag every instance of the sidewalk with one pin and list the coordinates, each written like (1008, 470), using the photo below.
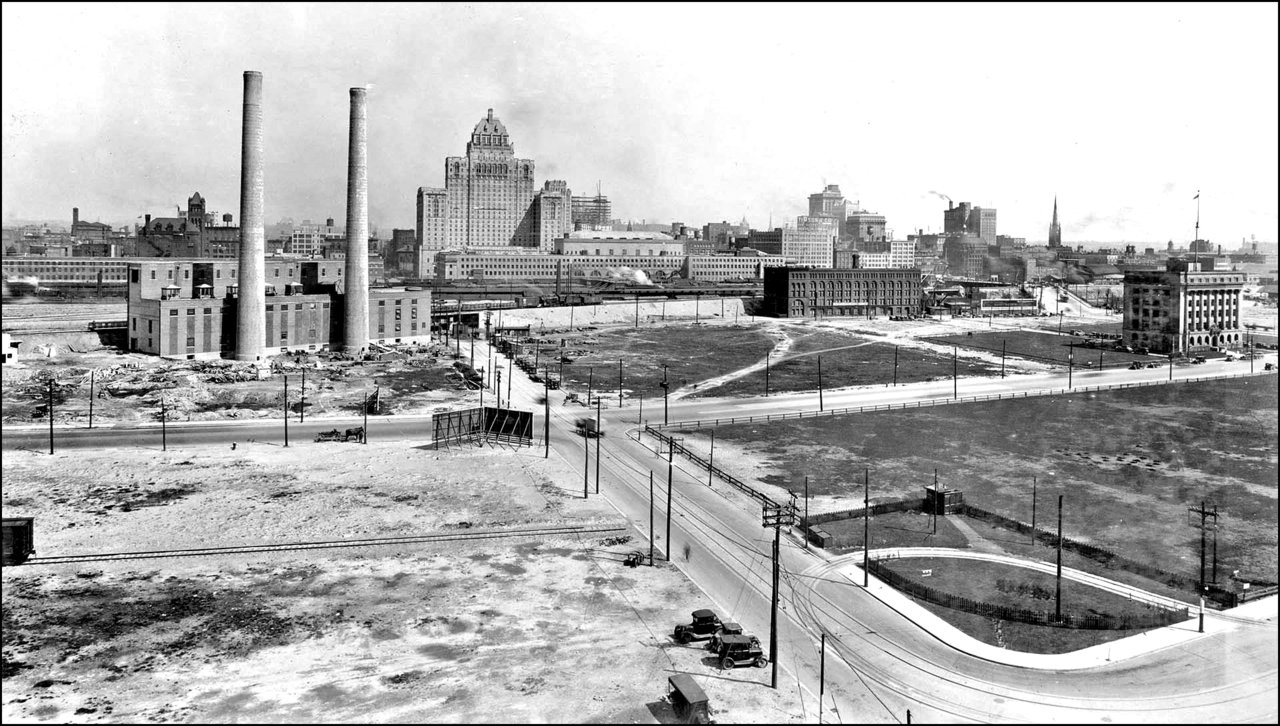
(1091, 657)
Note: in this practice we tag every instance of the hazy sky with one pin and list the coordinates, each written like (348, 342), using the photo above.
(688, 113)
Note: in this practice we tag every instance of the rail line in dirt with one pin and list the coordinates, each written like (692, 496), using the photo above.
(331, 544)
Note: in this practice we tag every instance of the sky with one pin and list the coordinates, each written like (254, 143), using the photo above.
(691, 113)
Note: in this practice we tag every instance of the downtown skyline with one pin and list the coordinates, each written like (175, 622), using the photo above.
(685, 114)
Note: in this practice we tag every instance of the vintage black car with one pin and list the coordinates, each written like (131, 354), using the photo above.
(727, 628)
(705, 624)
(740, 650)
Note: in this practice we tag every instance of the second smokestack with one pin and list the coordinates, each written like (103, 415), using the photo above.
(356, 287)
(251, 312)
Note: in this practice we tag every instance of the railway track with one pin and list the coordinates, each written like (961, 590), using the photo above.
(574, 530)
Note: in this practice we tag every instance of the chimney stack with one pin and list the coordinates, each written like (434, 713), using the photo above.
(75, 217)
(251, 314)
(356, 290)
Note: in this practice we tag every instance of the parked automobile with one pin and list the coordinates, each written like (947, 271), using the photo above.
(705, 625)
(688, 699)
(738, 650)
(1153, 365)
(728, 628)
(1135, 366)
(1198, 359)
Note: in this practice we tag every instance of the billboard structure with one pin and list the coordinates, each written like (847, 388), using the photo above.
(484, 425)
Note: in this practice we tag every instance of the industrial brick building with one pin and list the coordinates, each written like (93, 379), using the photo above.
(804, 291)
(1186, 307)
(186, 308)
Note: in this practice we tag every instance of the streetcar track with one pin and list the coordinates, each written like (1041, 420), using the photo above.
(327, 544)
(981, 687)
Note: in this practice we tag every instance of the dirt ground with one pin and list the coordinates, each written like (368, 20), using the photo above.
(514, 630)
(128, 387)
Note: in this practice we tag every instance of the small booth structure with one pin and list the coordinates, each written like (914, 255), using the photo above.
(687, 698)
(19, 540)
(941, 500)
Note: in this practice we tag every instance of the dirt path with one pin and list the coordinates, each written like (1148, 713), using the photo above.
(783, 345)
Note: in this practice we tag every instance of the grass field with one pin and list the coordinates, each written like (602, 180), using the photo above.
(691, 353)
(848, 360)
(1128, 462)
(1047, 347)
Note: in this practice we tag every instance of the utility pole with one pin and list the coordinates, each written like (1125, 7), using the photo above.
(510, 363)
(1033, 510)
(1071, 361)
(773, 615)
(598, 437)
(820, 407)
(640, 414)
(51, 413)
(711, 465)
(164, 435)
(1002, 343)
(302, 404)
(697, 307)
(866, 526)
(619, 383)
(586, 461)
(806, 512)
(651, 518)
(1171, 365)
(365, 439)
(665, 386)
(773, 516)
(671, 447)
(91, 395)
(955, 371)
(473, 348)
(822, 672)
(546, 416)
(895, 366)
(286, 411)
(1205, 514)
(1057, 610)
(935, 501)
(590, 382)
(766, 373)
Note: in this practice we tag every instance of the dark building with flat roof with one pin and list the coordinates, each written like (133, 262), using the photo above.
(805, 291)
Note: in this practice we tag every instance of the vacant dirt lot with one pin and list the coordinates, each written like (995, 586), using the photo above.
(517, 630)
(1129, 463)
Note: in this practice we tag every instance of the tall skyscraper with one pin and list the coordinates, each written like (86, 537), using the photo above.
(489, 192)
(830, 203)
(1055, 230)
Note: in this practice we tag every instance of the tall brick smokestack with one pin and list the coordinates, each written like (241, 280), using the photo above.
(356, 287)
(75, 217)
(251, 314)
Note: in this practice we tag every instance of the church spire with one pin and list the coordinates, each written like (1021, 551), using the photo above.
(1055, 230)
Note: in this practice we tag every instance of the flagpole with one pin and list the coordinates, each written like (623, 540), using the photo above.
(1195, 251)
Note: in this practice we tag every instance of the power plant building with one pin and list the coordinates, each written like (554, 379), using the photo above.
(188, 308)
(1187, 307)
